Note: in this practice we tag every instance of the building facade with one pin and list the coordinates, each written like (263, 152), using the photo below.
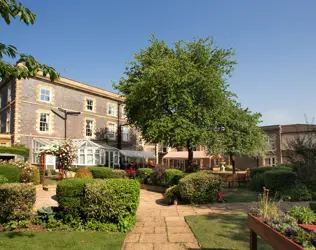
(36, 108)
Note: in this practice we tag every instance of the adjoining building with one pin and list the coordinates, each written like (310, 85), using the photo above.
(37, 111)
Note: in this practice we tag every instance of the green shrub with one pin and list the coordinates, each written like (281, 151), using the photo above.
(16, 149)
(17, 201)
(117, 173)
(303, 215)
(312, 206)
(101, 172)
(3, 180)
(158, 175)
(69, 193)
(29, 174)
(261, 170)
(257, 182)
(112, 201)
(143, 174)
(173, 177)
(11, 172)
(279, 180)
(52, 171)
(83, 173)
(297, 193)
(199, 187)
(171, 194)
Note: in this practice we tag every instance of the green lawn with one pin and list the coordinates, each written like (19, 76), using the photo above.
(241, 194)
(60, 240)
(222, 231)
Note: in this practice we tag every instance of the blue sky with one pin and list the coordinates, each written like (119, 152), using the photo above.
(90, 41)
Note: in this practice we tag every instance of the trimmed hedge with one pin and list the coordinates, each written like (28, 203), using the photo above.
(257, 182)
(143, 174)
(173, 177)
(117, 173)
(69, 193)
(101, 172)
(279, 180)
(3, 179)
(112, 201)
(83, 173)
(16, 149)
(11, 172)
(200, 187)
(262, 170)
(17, 201)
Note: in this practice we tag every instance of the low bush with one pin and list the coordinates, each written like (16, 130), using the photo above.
(117, 173)
(158, 175)
(171, 194)
(101, 172)
(257, 182)
(3, 180)
(11, 172)
(297, 193)
(52, 171)
(173, 177)
(199, 187)
(83, 173)
(29, 174)
(143, 174)
(17, 201)
(303, 215)
(312, 206)
(69, 193)
(279, 180)
(112, 201)
(258, 171)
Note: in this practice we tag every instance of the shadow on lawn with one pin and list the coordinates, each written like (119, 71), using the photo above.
(12, 235)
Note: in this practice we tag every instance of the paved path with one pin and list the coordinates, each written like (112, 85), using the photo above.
(45, 198)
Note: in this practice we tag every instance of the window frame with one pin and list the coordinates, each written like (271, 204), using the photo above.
(8, 122)
(87, 105)
(110, 136)
(92, 128)
(9, 92)
(45, 94)
(127, 134)
(111, 104)
(41, 123)
(272, 142)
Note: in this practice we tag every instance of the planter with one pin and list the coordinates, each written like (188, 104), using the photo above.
(308, 227)
(269, 235)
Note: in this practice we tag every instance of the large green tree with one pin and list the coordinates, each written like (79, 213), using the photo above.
(26, 66)
(178, 95)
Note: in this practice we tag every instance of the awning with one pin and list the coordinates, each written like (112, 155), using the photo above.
(184, 155)
(137, 154)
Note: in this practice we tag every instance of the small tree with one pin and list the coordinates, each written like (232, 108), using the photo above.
(11, 9)
(174, 95)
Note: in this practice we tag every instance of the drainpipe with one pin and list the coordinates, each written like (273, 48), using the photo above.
(119, 132)
(280, 148)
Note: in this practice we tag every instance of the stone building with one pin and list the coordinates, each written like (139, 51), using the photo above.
(35, 108)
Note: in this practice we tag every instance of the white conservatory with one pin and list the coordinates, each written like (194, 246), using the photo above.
(89, 153)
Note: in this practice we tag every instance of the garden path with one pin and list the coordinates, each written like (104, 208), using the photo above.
(45, 198)
(162, 227)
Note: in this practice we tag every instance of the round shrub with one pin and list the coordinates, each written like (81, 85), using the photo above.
(11, 172)
(173, 177)
(257, 182)
(3, 179)
(158, 175)
(17, 201)
(261, 170)
(171, 194)
(279, 180)
(101, 172)
(83, 173)
(199, 187)
(297, 193)
(143, 174)
(30, 174)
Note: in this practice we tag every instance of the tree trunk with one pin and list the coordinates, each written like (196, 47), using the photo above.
(232, 160)
(190, 156)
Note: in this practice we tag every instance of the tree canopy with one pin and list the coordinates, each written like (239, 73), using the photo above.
(11, 9)
(179, 96)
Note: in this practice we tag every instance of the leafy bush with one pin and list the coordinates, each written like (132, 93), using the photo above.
(173, 177)
(101, 172)
(171, 194)
(95, 225)
(297, 193)
(29, 174)
(45, 213)
(83, 173)
(16, 201)
(303, 215)
(279, 180)
(117, 173)
(199, 187)
(69, 193)
(258, 171)
(192, 168)
(11, 172)
(112, 201)
(257, 182)
(312, 206)
(52, 171)
(3, 180)
(16, 149)
(143, 174)
(158, 175)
